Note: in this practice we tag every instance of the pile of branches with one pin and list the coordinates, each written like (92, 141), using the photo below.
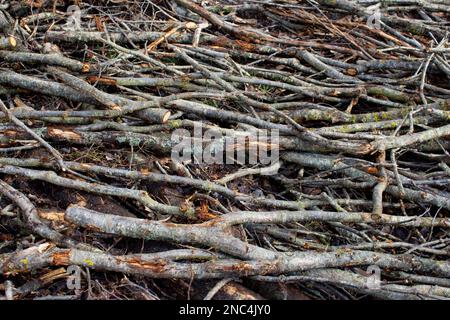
(355, 206)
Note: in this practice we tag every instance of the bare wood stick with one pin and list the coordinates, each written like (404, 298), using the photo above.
(32, 217)
(406, 140)
(44, 143)
(377, 195)
(7, 43)
(141, 196)
(45, 59)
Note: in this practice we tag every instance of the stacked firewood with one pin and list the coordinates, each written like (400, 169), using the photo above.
(346, 196)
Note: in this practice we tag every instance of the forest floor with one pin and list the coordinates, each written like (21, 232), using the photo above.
(225, 149)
